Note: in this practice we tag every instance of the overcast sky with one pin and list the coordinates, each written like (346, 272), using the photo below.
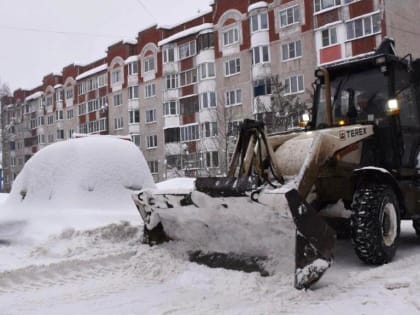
(39, 37)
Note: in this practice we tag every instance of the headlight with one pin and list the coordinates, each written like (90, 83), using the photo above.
(393, 105)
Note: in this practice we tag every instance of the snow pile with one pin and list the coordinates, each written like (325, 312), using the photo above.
(82, 182)
(179, 185)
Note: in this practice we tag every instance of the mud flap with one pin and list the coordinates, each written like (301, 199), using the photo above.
(315, 241)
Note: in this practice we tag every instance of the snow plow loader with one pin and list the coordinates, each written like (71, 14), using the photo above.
(361, 148)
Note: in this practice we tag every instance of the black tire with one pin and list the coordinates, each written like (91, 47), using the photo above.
(375, 223)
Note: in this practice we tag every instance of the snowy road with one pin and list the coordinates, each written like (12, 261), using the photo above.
(107, 271)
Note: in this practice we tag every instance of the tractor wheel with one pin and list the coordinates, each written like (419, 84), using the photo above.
(375, 223)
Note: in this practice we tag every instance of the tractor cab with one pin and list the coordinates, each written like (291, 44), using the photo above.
(359, 92)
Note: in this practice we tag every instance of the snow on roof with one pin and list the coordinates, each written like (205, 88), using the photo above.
(184, 33)
(57, 86)
(131, 59)
(257, 5)
(34, 96)
(93, 71)
(130, 41)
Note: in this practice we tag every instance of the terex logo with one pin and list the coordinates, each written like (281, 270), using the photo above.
(343, 134)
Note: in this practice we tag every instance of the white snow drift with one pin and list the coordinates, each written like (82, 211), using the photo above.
(68, 181)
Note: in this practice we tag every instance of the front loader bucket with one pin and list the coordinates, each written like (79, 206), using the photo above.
(226, 186)
(315, 241)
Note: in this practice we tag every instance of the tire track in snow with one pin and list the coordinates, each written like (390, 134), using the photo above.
(35, 277)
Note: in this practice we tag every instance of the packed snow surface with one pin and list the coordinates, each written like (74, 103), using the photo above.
(63, 253)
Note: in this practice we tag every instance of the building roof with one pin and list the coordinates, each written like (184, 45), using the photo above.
(185, 33)
(34, 96)
(93, 71)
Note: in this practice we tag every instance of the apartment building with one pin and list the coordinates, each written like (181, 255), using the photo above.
(181, 91)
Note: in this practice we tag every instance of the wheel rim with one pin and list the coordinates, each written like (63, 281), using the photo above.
(389, 224)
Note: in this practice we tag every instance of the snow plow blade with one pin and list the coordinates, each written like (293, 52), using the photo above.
(226, 186)
(315, 241)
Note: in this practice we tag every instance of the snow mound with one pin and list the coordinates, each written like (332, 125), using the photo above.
(79, 183)
(96, 169)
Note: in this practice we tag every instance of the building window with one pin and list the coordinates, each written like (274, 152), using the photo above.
(60, 134)
(232, 66)
(329, 37)
(189, 105)
(117, 99)
(83, 128)
(171, 81)
(171, 135)
(134, 116)
(212, 159)
(154, 166)
(93, 126)
(116, 76)
(49, 100)
(82, 109)
(133, 68)
(136, 139)
(207, 100)
(50, 119)
(69, 93)
(189, 132)
(207, 70)
(259, 22)
(170, 108)
(33, 123)
(291, 50)
(209, 129)
(150, 116)
(326, 4)
(50, 138)
(289, 16)
(260, 54)
(187, 50)
(230, 36)
(71, 133)
(59, 95)
(133, 92)
(41, 139)
(93, 105)
(205, 41)
(41, 121)
(233, 97)
(294, 84)
(262, 87)
(69, 114)
(103, 124)
(59, 115)
(102, 80)
(82, 88)
(363, 27)
(151, 141)
(118, 123)
(233, 127)
(92, 84)
(149, 63)
(168, 54)
(150, 90)
(188, 77)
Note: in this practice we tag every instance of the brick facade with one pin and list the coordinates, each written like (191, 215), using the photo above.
(179, 90)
